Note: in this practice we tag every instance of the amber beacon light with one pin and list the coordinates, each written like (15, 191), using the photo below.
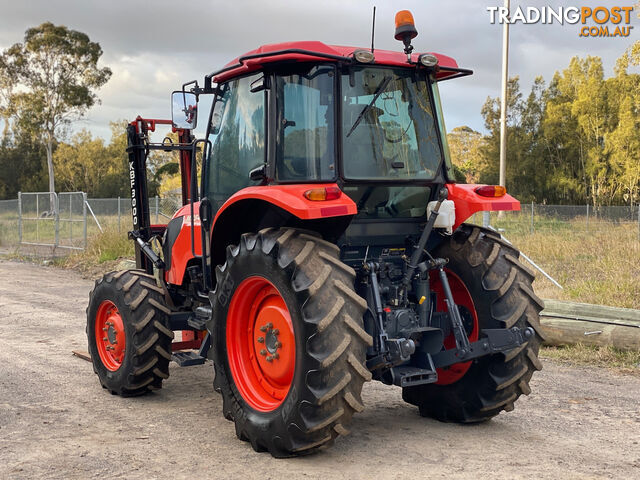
(406, 30)
(405, 25)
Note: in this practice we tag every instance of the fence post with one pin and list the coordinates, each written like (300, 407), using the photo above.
(532, 229)
(587, 218)
(486, 219)
(84, 217)
(56, 214)
(157, 210)
(37, 218)
(118, 214)
(19, 218)
(70, 220)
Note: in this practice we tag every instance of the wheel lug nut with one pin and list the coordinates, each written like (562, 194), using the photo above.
(260, 339)
(105, 339)
(276, 356)
(263, 352)
(269, 325)
(104, 329)
(269, 358)
(278, 345)
(275, 331)
(263, 328)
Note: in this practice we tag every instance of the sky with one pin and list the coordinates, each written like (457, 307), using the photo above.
(153, 47)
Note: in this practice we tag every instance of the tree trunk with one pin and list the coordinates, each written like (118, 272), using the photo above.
(52, 185)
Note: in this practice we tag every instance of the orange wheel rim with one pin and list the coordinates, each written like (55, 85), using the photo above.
(110, 335)
(461, 297)
(260, 344)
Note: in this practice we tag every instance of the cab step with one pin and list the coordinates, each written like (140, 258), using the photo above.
(187, 359)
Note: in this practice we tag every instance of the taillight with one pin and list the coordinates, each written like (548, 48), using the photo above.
(323, 194)
(491, 191)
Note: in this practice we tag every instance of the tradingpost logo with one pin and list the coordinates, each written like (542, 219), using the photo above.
(591, 21)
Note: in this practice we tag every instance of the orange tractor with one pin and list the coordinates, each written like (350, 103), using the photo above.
(321, 244)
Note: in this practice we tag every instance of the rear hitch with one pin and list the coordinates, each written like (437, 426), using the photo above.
(497, 340)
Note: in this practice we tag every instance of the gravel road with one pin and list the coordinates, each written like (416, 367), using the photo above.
(56, 421)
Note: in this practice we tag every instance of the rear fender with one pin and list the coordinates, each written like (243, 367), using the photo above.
(291, 199)
(252, 209)
(468, 202)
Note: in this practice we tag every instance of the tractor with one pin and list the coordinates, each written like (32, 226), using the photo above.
(321, 244)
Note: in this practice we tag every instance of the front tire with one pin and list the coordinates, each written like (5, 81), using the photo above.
(128, 333)
(500, 291)
(295, 390)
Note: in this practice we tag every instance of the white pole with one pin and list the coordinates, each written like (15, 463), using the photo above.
(503, 100)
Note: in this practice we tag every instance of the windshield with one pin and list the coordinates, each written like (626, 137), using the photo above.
(388, 128)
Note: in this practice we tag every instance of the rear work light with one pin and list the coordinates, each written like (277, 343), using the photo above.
(428, 60)
(323, 194)
(491, 191)
(364, 56)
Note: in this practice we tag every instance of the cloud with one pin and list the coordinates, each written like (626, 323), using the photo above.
(155, 46)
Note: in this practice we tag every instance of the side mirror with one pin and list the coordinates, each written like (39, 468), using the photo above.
(184, 110)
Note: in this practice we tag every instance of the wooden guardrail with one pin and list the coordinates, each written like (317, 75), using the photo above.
(569, 322)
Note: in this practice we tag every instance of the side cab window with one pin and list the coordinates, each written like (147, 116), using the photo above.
(237, 136)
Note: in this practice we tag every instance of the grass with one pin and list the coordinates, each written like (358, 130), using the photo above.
(600, 267)
(103, 251)
(607, 357)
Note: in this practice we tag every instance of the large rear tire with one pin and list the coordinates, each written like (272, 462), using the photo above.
(128, 333)
(289, 345)
(501, 293)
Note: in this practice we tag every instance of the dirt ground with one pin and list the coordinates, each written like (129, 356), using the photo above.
(56, 421)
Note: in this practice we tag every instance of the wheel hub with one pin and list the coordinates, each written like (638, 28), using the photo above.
(110, 335)
(262, 364)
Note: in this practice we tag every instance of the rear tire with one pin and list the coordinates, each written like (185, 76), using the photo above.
(325, 345)
(501, 290)
(128, 333)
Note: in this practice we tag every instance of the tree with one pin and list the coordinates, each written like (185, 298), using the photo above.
(623, 142)
(465, 145)
(86, 164)
(49, 80)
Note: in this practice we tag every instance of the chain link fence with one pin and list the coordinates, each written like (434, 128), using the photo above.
(534, 218)
(116, 212)
(29, 219)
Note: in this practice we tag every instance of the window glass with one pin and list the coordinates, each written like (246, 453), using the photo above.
(388, 129)
(237, 137)
(306, 124)
(383, 201)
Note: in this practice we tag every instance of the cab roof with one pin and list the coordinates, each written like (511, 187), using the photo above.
(304, 52)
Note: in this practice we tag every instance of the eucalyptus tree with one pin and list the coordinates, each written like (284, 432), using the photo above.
(48, 81)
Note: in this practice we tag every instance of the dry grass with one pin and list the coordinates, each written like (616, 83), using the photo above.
(602, 267)
(103, 253)
(608, 357)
